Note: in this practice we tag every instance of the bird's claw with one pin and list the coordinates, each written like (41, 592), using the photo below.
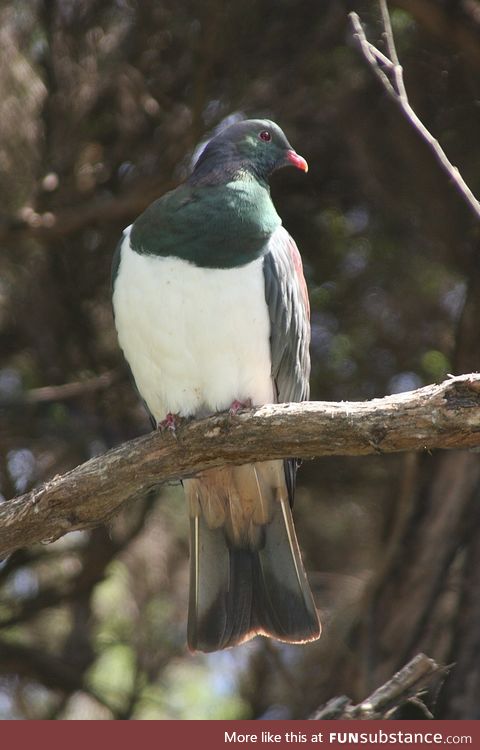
(170, 423)
(237, 406)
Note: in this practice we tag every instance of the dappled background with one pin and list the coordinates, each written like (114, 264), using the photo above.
(101, 107)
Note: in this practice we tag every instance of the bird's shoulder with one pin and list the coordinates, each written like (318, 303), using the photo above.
(212, 225)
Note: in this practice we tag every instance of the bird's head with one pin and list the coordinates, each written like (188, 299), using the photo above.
(256, 146)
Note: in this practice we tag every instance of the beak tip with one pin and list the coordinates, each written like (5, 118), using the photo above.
(297, 161)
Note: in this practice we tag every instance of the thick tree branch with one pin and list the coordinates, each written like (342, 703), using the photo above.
(437, 416)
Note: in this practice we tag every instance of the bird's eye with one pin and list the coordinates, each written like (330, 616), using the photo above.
(265, 135)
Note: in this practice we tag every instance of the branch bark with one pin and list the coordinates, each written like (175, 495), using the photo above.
(437, 416)
(405, 686)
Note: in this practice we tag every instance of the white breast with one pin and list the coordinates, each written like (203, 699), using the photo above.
(196, 339)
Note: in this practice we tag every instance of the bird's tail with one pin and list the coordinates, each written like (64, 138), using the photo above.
(246, 573)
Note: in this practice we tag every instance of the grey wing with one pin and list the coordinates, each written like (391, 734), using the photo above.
(287, 299)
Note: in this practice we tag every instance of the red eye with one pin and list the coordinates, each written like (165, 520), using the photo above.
(265, 135)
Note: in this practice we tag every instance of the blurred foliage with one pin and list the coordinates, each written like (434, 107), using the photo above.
(101, 107)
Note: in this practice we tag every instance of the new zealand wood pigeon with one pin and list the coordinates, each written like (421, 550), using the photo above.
(211, 310)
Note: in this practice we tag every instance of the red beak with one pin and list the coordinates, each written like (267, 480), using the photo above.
(297, 160)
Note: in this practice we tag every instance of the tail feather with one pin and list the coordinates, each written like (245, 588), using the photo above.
(246, 573)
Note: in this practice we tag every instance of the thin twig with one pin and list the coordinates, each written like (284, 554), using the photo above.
(379, 64)
(370, 53)
(386, 62)
(392, 51)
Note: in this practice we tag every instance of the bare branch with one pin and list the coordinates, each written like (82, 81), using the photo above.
(405, 686)
(372, 55)
(437, 416)
(116, 209)
(71, 390)
(392, 51)
(64, 392)
(387, 25)
(390, 74)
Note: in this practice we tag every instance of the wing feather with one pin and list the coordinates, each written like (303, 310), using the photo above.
(287, 299)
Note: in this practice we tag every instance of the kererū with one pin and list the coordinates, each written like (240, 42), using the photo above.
(212, 312)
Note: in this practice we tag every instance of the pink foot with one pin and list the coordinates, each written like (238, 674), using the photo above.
(236, 406)
(171, 422)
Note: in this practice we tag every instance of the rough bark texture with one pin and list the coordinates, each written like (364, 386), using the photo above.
(437, 416)
(407, 685)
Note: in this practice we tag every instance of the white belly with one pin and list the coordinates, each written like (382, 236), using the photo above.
(196, 339)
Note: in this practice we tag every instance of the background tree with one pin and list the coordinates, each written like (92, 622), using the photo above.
(102, 105)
